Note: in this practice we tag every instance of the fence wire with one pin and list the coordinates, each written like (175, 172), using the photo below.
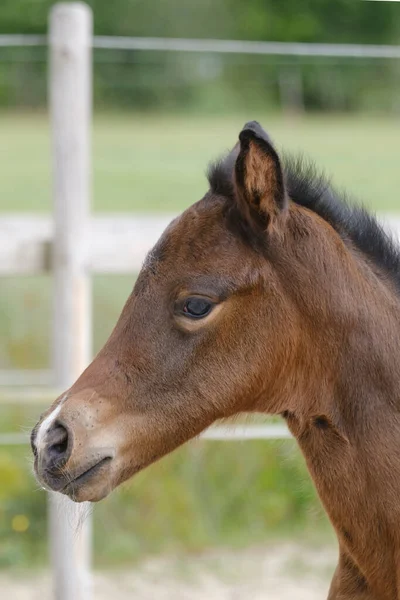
(221, 46)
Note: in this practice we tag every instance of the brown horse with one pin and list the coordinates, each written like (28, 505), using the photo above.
(269, 295)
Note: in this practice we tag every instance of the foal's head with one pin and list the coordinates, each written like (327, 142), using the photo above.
(210, 330)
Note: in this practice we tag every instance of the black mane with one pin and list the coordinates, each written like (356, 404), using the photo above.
(311, 189)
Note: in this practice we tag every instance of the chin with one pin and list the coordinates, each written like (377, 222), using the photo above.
(84, 494)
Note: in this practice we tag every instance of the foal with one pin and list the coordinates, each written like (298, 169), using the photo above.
(268, 295)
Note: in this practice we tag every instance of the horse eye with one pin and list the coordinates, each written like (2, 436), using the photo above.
(197, 308)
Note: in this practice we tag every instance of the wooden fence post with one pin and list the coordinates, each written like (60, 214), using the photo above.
(70, 42)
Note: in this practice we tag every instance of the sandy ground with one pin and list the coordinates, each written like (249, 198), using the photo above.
(277, 572)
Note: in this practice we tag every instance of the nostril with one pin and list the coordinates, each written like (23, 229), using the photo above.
(57, 444)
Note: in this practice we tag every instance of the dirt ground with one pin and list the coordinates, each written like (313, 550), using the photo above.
(278, 572)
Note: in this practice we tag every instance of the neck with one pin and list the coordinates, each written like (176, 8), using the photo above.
(343, 406)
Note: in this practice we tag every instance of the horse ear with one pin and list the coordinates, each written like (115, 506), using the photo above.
(259, 181)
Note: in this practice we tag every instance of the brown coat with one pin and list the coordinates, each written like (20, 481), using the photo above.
(269, 295)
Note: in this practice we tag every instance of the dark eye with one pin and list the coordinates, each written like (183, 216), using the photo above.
(197, 308)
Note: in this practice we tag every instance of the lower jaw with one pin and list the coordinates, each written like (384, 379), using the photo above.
(80, 494)
(82, 488)
(85, 492)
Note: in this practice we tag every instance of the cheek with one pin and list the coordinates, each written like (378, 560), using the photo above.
(248, 343)
(177, 355)
(227, 361)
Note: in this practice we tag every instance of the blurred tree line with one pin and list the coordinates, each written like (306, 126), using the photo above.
(155, 80)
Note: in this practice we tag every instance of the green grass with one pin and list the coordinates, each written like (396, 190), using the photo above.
(144, 162)
(208, 493)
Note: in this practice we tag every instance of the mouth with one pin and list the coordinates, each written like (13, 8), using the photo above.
(73, 485)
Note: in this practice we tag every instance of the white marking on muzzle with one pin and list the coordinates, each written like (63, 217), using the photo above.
(46, 424)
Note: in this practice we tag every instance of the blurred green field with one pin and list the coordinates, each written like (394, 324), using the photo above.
(206, 493)
(144, 162)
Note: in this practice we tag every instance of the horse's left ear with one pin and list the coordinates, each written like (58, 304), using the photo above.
(259, 181)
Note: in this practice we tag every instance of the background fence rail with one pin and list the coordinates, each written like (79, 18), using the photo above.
(220, 433)
(221, 46)
(115, 243)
